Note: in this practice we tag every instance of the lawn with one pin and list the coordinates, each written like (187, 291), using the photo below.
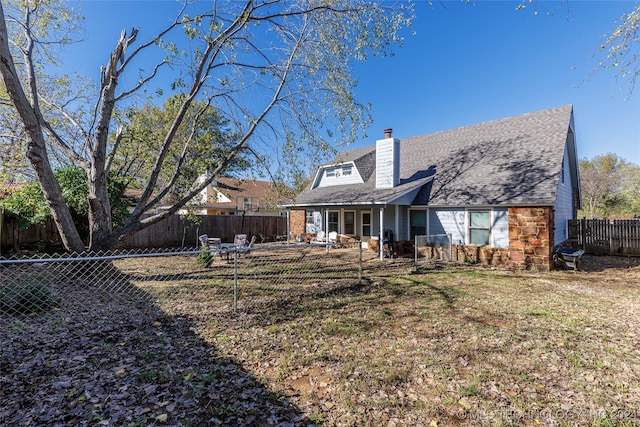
(440, 346)
(450, 345)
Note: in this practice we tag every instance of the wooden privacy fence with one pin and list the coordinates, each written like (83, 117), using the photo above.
(602, 236)
(44, 234)
(173, 231)
(170, 232)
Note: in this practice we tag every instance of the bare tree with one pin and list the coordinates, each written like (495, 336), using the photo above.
(622, 48)
(278, 72)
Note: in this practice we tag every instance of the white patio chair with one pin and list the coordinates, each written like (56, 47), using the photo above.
(320, 237)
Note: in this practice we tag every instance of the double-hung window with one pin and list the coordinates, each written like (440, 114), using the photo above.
(366, 223)
(479, 227)
(418, 223)
(334, 217)
(350, 223)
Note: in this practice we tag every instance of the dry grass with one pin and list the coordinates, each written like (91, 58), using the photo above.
(448, 346)
(312, 345)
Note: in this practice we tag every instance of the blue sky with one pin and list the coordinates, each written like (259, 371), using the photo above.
(473, 63)
(466, 63)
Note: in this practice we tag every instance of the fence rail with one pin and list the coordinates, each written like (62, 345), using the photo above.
(601, 236)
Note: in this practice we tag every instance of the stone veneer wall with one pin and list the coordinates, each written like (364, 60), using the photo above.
(531, 238)
(297, 222)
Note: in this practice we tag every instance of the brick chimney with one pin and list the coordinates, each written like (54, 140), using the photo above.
(387, 161)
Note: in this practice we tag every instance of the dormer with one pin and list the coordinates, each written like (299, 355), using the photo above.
(337, 174)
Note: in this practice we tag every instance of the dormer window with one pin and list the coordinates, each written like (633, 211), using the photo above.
(338, 174)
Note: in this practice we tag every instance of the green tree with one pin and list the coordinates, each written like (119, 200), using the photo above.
(28, 205)
(278, 72)
(630, 190)
(196, 148)
(610, 186)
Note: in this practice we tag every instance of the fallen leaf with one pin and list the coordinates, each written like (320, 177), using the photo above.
(464, 403)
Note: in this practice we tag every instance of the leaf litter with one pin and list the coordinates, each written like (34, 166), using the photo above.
(441, 346)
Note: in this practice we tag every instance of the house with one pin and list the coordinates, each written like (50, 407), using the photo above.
(235, 196)
(509, 185)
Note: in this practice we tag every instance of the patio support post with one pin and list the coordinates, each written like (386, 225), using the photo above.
(396, 225)
(288, 226)
(381, 235)
(326, 230)
(360, 264)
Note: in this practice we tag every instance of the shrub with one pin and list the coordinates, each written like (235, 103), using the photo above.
(26, 297)
(204, 257)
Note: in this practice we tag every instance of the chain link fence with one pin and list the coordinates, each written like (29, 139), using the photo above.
(121, 338)
(220, 282)
(432, 248)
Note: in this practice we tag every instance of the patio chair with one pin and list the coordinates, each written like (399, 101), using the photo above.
(246, 249)
(263, 238)
(333, 237)
(250, 245)
(203, 240)
(320, 237)
(240, 240)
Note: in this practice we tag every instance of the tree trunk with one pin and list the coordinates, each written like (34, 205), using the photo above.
(36, 148)
(100, 224)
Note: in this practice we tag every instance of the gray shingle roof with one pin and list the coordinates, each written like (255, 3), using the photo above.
(512, 161)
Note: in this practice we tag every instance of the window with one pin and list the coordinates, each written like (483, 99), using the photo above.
(248, 204)
(350, 223)
(333, 221)
(337, 172)
(366, 223)
(418, 223)
(310, 219)
(479, 224)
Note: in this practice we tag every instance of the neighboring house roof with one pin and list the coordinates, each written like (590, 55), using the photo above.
(514, 161)
(7, 189)
(232, 188)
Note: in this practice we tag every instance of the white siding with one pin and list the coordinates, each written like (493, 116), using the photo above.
(339, 178)
(500, 228)
(564, 202)
(387, 163)
(444, 221)
(454, 222)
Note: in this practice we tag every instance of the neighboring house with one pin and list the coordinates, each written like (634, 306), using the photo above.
(8, 188)
(234, 196)
(509, 184)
